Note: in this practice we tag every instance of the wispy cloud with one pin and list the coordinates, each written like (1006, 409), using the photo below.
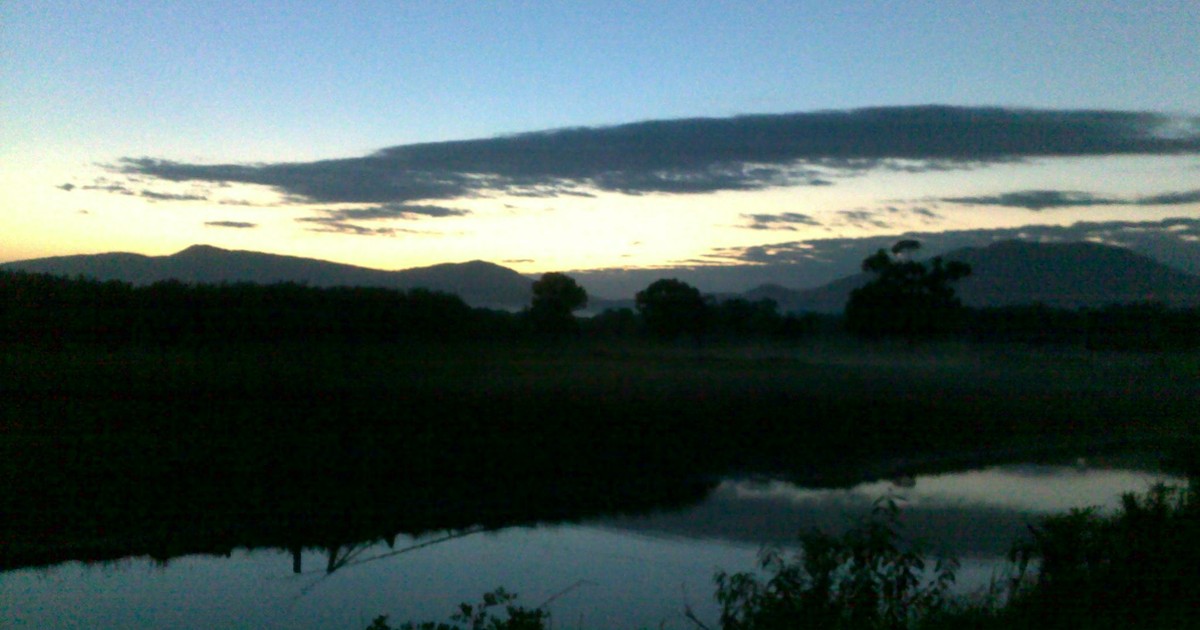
(346, 220)
(785, 221)
(1179, 235)
(393, 211)
(861, 218)
(109, 186)
(1038, 200)
(695, 155)
(231, 224)
(1170, 199)
(160, 196)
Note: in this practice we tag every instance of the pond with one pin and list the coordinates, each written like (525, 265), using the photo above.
(626, 571)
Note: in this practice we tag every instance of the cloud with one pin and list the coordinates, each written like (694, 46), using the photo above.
(246, 203)
(109, 186)
(333, 225)
(394, 211)
(344, 220)
(863, 218)
(859, 217)
(782, 221)
(1172, 240)
(1038, 200)
(1170, 199)
(813, 262)
(231, 224)
(158, 196)
(697, 155)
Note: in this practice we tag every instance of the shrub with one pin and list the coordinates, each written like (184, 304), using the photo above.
(863, 579)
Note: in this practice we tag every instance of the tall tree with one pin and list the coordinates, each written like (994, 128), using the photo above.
(672, 307)
(906, 297)
(555, 297)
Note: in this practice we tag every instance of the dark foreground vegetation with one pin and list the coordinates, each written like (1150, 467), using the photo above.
(1083, 569)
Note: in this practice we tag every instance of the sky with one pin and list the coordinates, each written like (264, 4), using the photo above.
(558, 136)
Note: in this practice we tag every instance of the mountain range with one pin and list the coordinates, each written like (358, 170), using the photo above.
(1010, 273)
(479, 283)
(1066, 275)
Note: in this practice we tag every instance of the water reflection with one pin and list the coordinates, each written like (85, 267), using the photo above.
(976, 513)
(622, 571)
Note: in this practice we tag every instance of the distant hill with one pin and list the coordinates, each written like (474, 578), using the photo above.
(1068, 275)
(478, 283)
(1007, 273)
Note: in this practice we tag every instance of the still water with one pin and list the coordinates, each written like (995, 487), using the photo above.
(618, 572)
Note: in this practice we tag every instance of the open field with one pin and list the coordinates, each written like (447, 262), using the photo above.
(862, 399)
(287, 445)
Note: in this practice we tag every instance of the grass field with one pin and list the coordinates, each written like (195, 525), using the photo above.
(194, 439)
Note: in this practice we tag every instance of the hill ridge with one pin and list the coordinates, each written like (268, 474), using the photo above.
(479, 283)
(1012, 272)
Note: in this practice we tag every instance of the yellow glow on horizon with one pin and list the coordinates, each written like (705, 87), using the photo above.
(534, 235)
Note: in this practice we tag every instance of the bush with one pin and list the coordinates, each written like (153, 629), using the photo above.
(479, 616)
(864, 579)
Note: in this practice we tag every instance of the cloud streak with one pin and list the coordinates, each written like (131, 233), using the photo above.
(786, 221)
(345, 220)
(1176, 241)
(1038, 200)
(158, 196)
(231, 224)
(696, 155)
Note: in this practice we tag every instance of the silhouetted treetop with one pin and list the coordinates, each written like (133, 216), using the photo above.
(906, 297)
(555, 296)
(672, 307)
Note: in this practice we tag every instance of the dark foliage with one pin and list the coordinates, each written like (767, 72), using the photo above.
(739, 317)
(671, 308)
(869, 578)
(1135, 327)
(50, 311)
(613, 323)
(907, 298)
(480, 616)
(555, 297)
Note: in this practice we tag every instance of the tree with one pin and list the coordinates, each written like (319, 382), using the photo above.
(740, 318)
(906, 297)
(672, 307)
(555, 296)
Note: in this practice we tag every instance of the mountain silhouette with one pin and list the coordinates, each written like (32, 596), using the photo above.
(1065, 275)
(478, 283)
(1010, 273)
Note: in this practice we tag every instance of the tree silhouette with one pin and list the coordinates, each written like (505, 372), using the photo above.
(672, 307)
(907, 297)
(555, 296)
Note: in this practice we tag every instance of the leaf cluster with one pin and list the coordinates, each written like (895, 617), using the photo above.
(480, 616)
(906, 297)
(862, 579)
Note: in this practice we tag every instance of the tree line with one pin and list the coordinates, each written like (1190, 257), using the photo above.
(916, 300)
(50, 311)
(905, 298)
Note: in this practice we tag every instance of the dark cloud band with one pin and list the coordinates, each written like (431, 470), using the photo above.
(1038, 200)
(697, 155)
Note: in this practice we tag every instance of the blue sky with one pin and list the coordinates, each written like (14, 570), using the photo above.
(91, 88)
